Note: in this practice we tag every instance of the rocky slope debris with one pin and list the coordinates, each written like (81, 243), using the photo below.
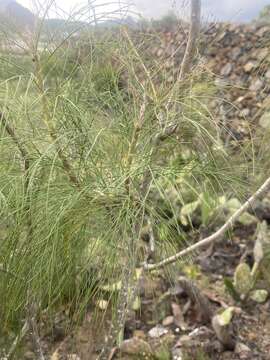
(237, 58)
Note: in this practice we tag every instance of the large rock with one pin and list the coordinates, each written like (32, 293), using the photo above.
(135, 346)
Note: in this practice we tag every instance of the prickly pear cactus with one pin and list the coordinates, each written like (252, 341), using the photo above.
(262, 253)
(243, 280)
(262, 244)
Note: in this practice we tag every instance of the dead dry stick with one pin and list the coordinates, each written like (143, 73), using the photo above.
(218, 234)
(190, 51)
(195, 19)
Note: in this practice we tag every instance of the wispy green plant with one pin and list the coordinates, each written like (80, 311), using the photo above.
(105, 155)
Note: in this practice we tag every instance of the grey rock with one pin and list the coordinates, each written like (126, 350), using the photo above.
(245, 112)
(226, 70)
(256, 85)
(251, 65)
(135, 346)
(241, 348)
(157, 331)
(267, 74)
(236, 53)
(265, 120)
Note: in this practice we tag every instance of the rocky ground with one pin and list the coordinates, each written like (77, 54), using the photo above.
(235, 57)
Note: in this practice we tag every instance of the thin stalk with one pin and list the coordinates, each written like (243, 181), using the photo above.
(195, 18)
(128, 289)
(190, 51)
(134, 140)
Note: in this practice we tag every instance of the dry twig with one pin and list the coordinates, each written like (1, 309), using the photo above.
(192, 39)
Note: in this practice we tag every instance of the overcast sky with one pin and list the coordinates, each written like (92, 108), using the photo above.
(232, 10)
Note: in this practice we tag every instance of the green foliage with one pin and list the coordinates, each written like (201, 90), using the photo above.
(63, 66)
(14, 65)
(72, 206)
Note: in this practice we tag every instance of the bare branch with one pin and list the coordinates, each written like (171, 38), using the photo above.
(218, 234)
(195, 18)
(186, 65)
